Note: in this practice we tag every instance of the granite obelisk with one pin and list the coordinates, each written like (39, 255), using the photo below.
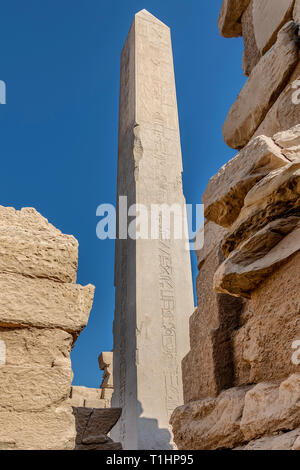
(154, 295)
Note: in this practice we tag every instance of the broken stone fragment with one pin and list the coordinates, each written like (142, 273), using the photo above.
(229, 21)
(93, 425)
(262, 89)
(253, 261)
(224, 196)
(44, 303)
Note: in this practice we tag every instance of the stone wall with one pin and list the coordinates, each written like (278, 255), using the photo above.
(241, 377)
(42, 312)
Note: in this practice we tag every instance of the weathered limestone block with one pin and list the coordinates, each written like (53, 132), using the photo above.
(270, 407)
(210, 423)
(262, 89)
(251, 54)
(230, 17)
(275, 196)
(248, 266)
(260, 353)
(289, 141)
(49, 429)
(224, 196)
(36, 347)
(92, 427)
(207, 238)
(268, 17)
(285, 112)
(33, 388)
(84, 397)
(285, 441)
(44, 303)
(38, 254)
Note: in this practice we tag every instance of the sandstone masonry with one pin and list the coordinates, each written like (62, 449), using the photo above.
(42, 312)
(241, 383)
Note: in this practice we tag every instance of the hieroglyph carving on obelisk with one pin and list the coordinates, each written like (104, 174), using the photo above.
(154, 295)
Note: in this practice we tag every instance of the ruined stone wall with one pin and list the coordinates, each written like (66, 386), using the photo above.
(42, 312)
(241, 377)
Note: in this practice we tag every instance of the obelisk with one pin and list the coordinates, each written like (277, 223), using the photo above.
(154, 295)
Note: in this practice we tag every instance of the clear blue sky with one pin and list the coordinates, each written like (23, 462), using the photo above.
(60, 61)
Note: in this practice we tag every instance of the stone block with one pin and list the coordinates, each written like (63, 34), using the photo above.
(296, 12)
(44, 303)
(260, 353)
(38, 253)
(284, 441)
(268, 18)
(276, 196)
(86, 397)
(93, 425)
(33, 388)
(224, 196)
(36, 347)
(49, 429)
(251, 54)
(262, 89)
(230, 17)
(257, 258)
(285, 112)
(210, 424)
(270, 407)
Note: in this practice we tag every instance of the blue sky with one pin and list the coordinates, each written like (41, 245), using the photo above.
(60, 62)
